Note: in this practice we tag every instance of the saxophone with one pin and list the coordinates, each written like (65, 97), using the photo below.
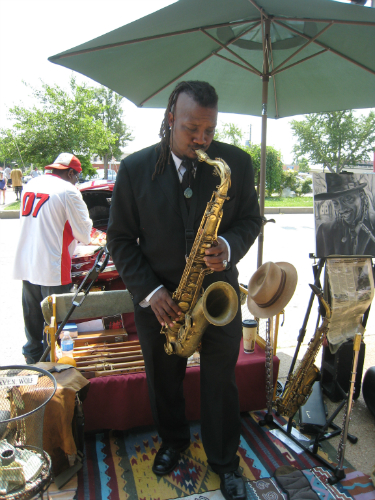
(299, 385)
(219, 303)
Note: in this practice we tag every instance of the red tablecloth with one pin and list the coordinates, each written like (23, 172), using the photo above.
(121, 402)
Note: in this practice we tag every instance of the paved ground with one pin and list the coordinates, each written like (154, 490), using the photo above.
(290, 239)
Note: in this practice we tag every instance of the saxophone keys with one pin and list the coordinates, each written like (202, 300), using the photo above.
(186, 297)
(184, 306)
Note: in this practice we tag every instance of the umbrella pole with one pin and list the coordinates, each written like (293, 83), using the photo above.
(263, 152)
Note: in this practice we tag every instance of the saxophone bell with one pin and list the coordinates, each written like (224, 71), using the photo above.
(218, 305)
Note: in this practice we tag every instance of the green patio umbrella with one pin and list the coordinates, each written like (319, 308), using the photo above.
(270, 58)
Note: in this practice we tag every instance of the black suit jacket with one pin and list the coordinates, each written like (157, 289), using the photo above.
(154, 212)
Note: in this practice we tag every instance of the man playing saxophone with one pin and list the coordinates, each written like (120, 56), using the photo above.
(159, 199)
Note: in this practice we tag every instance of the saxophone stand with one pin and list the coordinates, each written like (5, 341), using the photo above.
(321, 432)
(313, 452)
(314, 344)
(322, 435)
(317, 270)
(268, 417)
(339, 472)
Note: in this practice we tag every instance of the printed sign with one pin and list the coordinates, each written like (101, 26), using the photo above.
(16, 381)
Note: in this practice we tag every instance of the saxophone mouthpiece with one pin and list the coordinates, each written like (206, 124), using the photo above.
(316, 290)
(201, 155)
(326, 311)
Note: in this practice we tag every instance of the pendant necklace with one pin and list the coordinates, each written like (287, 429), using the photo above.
(188, 176)
(188, 193)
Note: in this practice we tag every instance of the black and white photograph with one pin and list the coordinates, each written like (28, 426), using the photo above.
(344, 214)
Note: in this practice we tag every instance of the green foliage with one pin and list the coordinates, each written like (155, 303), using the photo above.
(303, 165)
(230, 134)
(277, 201)
(306, 186)
(254, 151)
(292, 181)
(87, 169)
(61, 121)
(336, 139)
(289, 180)
(16, 205)
(274, 167)
(111, 114)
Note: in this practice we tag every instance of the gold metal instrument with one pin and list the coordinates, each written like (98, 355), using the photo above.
(219, 303)
(299, 385)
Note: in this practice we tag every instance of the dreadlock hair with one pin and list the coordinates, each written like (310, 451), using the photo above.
(203, 94)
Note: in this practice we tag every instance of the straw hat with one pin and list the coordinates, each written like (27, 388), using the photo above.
(270, 288)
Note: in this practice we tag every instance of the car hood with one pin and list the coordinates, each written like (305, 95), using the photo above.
(98, 184)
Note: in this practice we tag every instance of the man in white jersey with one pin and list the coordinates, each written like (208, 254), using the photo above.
(53, 217)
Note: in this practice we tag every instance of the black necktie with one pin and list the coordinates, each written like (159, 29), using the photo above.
(187, 180)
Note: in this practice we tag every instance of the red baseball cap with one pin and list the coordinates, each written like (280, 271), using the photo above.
(66, 160)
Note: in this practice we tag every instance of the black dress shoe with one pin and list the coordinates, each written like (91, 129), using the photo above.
(166, 460)
(232, 486)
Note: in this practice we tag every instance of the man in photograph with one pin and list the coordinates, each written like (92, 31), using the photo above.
(352, 232)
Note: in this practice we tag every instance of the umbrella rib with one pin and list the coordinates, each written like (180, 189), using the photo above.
(224, 46)
(201, 61)
(335, 21)
(238, 64)
(275, 70)
(176, 78)
(327, 48)
(147, 39)
(259, 8)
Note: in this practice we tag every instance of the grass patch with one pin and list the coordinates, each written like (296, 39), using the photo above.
(274, 201)
(16, 205)
(277, 201)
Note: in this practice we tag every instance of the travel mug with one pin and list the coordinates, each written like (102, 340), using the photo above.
(249, 333)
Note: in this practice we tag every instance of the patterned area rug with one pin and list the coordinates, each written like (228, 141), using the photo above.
(118, 466)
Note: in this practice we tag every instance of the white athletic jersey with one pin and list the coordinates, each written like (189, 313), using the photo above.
(53, 216)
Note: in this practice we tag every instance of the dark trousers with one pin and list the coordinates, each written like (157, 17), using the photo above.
(32, 296)
(220, 415)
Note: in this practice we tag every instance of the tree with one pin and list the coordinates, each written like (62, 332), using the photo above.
(274, 167)
(233, 135)
(8, 150)
(111, 115)
(290, 180)
(60, 121)
(306, 186)
(303, 165)
(230, 134)
(335, 139)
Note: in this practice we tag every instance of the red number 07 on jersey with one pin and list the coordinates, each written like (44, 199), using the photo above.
(28, 203)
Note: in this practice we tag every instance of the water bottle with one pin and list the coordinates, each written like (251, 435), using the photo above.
(67, 345)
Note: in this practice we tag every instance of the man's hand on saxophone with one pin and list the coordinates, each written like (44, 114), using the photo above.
(165, 309)
(217, 256)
